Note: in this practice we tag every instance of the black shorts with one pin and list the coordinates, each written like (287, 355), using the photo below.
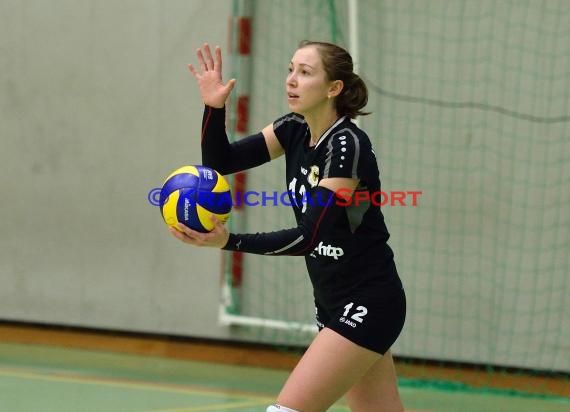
(372, 318)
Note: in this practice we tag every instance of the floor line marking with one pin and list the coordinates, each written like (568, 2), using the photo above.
(215, 407)
(151, 386)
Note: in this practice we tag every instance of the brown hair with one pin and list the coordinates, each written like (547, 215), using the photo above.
(338, 65)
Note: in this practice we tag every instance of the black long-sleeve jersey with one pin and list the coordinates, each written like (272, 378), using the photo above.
(353, 253)
(357, 290)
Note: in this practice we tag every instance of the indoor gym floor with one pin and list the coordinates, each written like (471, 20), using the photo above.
(60, 377)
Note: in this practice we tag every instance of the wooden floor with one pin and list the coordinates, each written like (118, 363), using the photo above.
(262, 356)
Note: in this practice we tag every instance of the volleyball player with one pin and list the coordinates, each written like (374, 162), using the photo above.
(359, 298)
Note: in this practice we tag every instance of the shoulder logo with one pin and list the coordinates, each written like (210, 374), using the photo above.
(313, 177)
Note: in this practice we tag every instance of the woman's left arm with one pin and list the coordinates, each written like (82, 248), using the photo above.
(323, 209)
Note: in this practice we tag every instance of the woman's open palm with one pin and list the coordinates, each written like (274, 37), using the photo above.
(212, 88)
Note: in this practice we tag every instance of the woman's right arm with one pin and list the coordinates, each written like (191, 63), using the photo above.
(217, 151)
(245, 153)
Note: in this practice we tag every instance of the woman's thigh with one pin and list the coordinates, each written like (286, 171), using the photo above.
(377, 390)
(329, 368)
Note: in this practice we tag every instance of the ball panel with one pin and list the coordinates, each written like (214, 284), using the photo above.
(184, 169)
(221, 185)
(178, 181)
(224, 217)
(208, 178)
(215, 202)
(169, 209)
(204, 217)
(186, 209)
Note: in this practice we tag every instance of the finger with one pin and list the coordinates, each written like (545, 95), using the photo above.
(219, 226)
(183, 228)
(219, 233)
(215, 221)
(201, 60)
(218, 61)
(176, 233)
(190, 233)
(230, 85)
(184, 237)
(209, 59)
(193, 70)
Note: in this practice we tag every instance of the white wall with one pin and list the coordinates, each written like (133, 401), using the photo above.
(97, 107)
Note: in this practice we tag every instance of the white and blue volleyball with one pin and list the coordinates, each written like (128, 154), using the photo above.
(192, 194)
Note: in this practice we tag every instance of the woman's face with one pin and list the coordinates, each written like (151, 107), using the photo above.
(307, 84)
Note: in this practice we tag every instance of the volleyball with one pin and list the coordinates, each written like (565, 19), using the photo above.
(192, 194)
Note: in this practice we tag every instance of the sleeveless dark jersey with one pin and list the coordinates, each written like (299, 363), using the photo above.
(354, 255)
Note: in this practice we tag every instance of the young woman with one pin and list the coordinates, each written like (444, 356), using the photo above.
(359, 298)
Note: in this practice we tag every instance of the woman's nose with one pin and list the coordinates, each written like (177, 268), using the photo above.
(291, 80)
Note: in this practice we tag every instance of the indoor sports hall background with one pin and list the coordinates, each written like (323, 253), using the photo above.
(471, 106)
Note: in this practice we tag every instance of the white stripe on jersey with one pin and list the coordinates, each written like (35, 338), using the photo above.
(293, 117)
(290, 245)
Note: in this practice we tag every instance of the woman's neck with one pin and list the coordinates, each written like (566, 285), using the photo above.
(318, 125)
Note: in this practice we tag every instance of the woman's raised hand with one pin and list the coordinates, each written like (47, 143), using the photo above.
(213, 90)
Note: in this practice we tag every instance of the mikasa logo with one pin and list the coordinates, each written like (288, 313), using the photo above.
(186, 205)
(328, 250)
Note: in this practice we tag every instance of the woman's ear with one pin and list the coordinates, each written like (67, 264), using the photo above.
(335, 88)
